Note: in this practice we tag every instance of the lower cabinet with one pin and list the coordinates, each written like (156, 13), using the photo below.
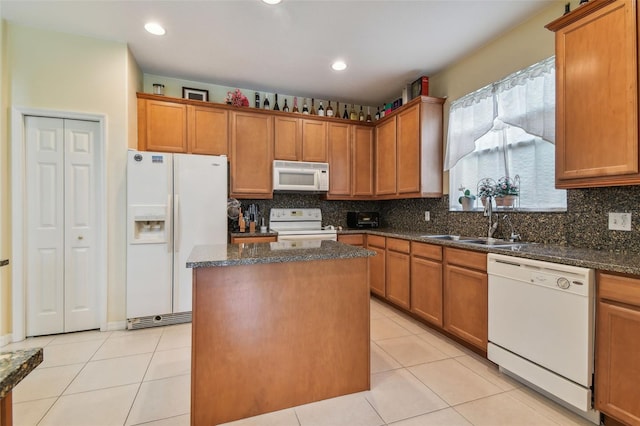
(377, 276)
(618, 348)
(398, 266)
(352, 239)
(466, 295)
(426, 282)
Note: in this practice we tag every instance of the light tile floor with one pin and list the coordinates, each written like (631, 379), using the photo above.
(418, 377)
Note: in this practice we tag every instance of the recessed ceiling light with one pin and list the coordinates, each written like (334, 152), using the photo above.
(339, 66)
(271, 1)
(154, 28)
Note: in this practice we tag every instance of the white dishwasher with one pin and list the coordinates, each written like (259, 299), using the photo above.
(541, 327)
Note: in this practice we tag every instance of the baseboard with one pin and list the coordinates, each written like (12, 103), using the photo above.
(5, 340)
(116, 325)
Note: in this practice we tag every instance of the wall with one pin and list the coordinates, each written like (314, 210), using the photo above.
(55, 71)
(218, 93)
(5, 207)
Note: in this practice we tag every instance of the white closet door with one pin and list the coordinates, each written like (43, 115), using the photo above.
(81, 292)
(62, 287)
(45, 225)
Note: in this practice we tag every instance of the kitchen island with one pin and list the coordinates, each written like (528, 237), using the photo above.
(14, 366)
(276, 325)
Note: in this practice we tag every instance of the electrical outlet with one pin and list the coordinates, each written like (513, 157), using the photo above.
(620, 221)
(427, 216)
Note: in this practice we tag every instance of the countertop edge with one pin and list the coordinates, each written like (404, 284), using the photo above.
(18, 371)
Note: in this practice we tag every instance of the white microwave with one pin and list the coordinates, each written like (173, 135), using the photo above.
(300, 176)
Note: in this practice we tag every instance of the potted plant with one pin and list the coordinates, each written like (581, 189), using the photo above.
(507, 190)
(466, 199)
(486, 189)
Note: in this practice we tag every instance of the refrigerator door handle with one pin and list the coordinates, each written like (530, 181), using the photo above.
(176, 223)
(168, 224)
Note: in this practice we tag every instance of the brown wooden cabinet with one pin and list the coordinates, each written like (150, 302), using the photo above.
(352, 239)
(287, 138)
(175, 126)
(597, 95)
(377, 276)
(254, 239)
(618, 348)
(162, 126)
(251, 155)
(340, 163)
(314, 140)
(426, 282)
(385, 157)
(300, 139)
(408, 151)
(362, 164)
(398, 267)
(466, 295)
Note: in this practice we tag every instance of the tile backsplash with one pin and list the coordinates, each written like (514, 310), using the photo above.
(584, 224)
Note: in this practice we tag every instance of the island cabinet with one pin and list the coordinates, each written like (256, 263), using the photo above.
(350, 153)
(426, 282)
(618, 348)
(466, 296)
(597, 95)
(299, 139)
(172, 126)
(398, 267)
(408, 151)
(251, 155)
(377, 275)
(352, 239)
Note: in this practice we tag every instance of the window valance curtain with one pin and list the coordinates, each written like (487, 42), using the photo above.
(525, 99)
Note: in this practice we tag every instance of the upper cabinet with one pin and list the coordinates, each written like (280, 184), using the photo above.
(300, 139)
(251, 155)
(350, 154)
(177, 126)
(408, 151)
(597, 95)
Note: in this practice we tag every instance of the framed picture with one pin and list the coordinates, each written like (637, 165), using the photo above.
(195, 94)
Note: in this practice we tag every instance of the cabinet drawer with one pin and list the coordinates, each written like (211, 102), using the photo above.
(394, 244)
(352, 239)
(265, 239)
(620, 289)
(376, 241)
(429, 251)
(468, 258)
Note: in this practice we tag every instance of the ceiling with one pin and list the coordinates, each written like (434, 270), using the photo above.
(288, 48)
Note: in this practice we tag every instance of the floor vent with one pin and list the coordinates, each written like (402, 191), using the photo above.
(158, 320)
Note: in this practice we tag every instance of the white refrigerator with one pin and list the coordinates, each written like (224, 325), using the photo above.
(174, 202)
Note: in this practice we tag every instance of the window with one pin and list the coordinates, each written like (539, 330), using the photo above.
(507, 129)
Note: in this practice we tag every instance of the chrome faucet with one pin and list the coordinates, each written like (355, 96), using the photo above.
(514, 237)
(488, 211)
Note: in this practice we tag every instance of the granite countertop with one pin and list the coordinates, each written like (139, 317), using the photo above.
(15, 365)
(609, 261)
(286, 251)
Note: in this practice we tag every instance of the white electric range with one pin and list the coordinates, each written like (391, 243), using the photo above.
(300, 224)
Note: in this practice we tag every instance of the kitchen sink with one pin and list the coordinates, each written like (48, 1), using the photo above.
(449, 237)
(489, 242)
(495, 242)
